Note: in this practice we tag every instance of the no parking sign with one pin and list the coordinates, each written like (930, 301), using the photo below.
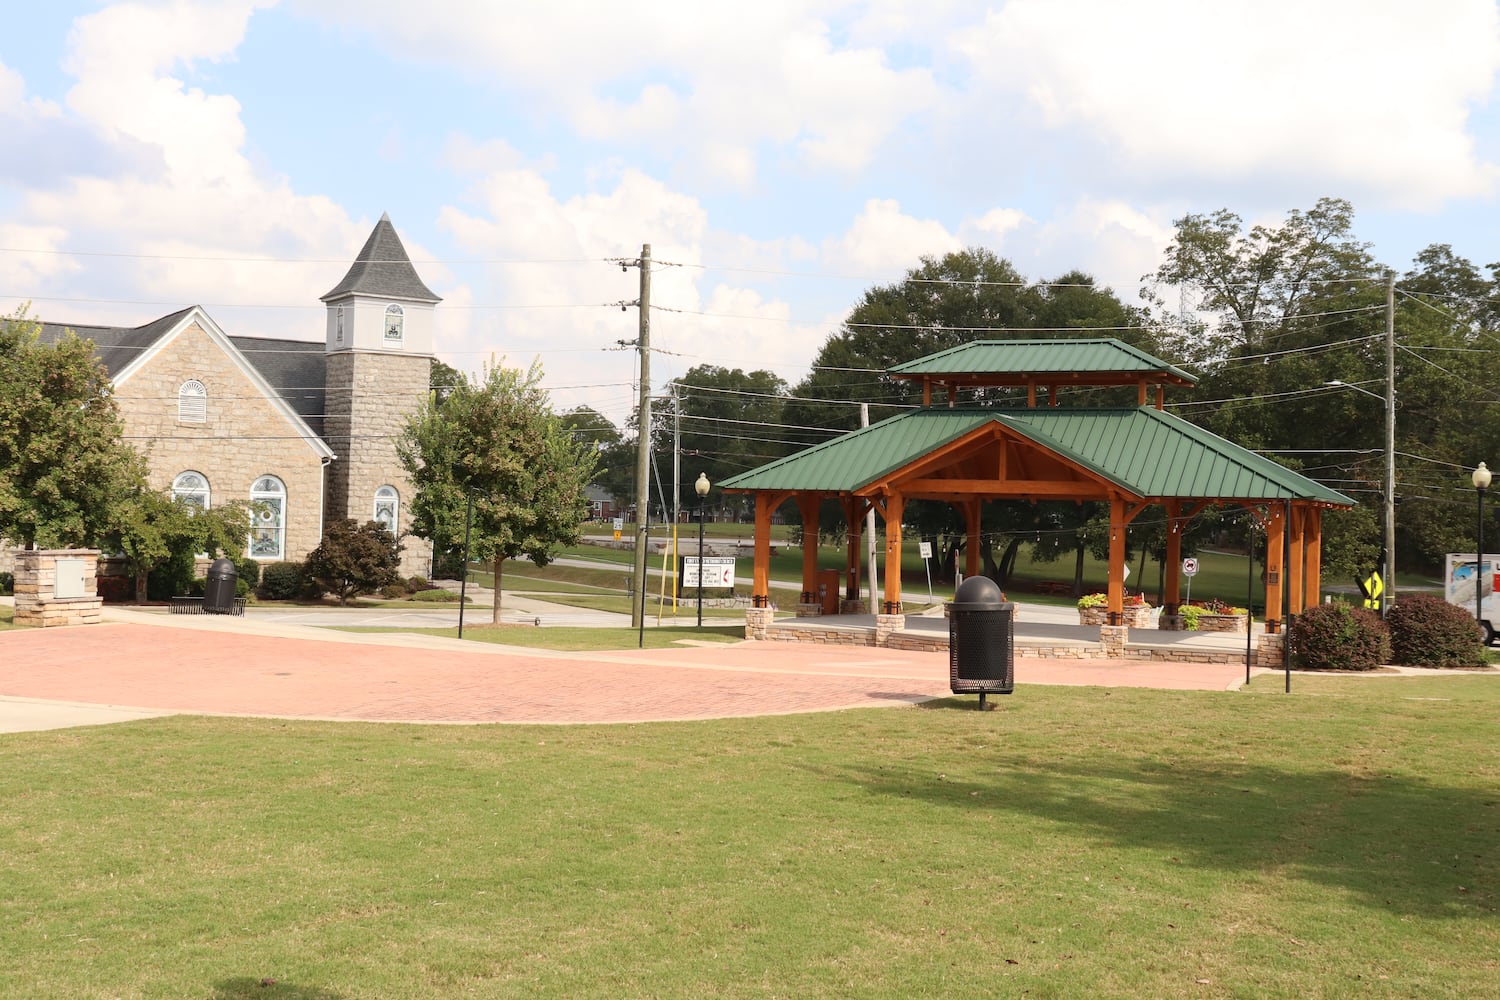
(1190, 567)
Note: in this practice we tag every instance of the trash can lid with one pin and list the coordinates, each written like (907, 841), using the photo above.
(222, 566)
(979, 591)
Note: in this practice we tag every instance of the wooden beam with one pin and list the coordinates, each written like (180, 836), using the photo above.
(1117, 525)
(1172, 585)
(1275, 568)
(1294, 571)
(1313, 539)
(1066, 489)
(760, 591)
(894, 504)
(808, 507)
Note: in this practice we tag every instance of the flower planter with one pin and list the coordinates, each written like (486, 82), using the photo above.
(1223, 623)
(1134, 616)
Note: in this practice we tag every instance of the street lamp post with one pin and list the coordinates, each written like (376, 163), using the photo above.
(701, 487)
(1481, 480)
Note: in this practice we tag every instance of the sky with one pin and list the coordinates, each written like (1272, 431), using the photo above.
(779, 158)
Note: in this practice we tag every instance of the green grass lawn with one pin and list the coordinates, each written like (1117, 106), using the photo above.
(1077, 842)
(7, 616)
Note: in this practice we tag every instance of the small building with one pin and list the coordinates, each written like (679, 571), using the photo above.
(305, 429)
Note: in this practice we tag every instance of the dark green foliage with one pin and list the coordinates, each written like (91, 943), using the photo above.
(1427, 631)
(172, 577)
(248, 570)
(1338, 636)
(281, 581)
(353, 560)
(419, 583)
(439, 596)
(7, 583)
(394, 591)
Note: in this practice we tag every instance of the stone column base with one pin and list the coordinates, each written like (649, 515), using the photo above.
(805, 610)
(885, 625)
(1112, 638)
(57, 587)
(1269, 649)
(854, 606)
(757, 621)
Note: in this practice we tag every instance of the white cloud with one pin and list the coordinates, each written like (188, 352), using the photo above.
(1372, 95)
(708, 84)
(884, 240)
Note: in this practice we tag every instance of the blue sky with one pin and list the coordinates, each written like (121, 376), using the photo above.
(789, 155)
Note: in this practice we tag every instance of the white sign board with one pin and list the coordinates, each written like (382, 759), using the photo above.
(717, 573)
(1190, 567)
(619, 524)
(924, 549)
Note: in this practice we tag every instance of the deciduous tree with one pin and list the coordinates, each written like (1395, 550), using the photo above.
(495, 442)
(352, 559)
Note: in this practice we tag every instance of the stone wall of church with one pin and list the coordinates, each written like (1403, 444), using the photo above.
(369, 397)
(243, 436)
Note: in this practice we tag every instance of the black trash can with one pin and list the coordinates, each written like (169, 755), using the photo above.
(981, 640)
(218, 595)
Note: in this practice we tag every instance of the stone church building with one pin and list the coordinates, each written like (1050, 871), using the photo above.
(305, 430)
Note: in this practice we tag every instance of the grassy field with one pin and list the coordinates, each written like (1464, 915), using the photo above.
(1339, 842)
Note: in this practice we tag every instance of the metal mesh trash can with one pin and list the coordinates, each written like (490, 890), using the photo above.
(218, 595)
(981, 640)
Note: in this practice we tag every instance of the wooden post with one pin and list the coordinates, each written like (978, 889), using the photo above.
(972, 517)
(893, 508)
(1312, 538)
(1275, 564)
(1294, 570)
(808, 506)
(1172, 594)
(852, 559)
(761, 590)
(1117, 526)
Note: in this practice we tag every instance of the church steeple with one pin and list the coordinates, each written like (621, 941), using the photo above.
(382, 304)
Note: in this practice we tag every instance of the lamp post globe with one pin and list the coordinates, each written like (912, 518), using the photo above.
(701, 487)
(1481, 479)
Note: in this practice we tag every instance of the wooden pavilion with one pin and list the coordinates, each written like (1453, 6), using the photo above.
(1130, 458)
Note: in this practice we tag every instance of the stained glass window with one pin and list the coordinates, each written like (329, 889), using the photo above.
(388, 508)
(268, 529)
(395, 322)
(191, 488)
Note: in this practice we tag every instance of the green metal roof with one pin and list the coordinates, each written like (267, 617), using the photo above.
(1083, 359)
(1144, 451)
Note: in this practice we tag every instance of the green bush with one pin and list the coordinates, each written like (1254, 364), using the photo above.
(438, 595)
(393, 591)
(282, 581)
(1339, 637)
(416, 584)
(173, 578)
(249, 573)
(7, 583)
(1427, 631)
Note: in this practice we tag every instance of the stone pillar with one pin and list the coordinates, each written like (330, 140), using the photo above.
(1112, 638)
(854, 606)
(757, 621)
(57, 587)
(885, 625)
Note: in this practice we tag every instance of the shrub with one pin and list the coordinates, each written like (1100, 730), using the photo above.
(393, 591)
(352, 559)
(249, 573)
(438, 595)
(173, 578)
(116, 589)
(419, 583)
(7, 583)
(281, 581)
(1339, 637)
(1427, 631)
(1092, 601)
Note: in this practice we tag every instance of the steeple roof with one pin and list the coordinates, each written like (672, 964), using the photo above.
(383, 269)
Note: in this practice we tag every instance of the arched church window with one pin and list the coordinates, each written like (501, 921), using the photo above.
(192, 402)
(395, 323)
(268, 526)
(388, 508)
(191, 488)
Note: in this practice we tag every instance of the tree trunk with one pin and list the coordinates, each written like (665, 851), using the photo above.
(140, 586)
(495, 615)
(1078, 570)
(1008, 561)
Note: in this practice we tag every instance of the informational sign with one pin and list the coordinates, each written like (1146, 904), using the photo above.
(1190, 567)
(619, 527)
(717, 572)
(924, 549)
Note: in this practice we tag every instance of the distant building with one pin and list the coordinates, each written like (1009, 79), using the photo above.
(305, 430)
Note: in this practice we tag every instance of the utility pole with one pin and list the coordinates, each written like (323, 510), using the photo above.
(1388, 572)
(643, 441)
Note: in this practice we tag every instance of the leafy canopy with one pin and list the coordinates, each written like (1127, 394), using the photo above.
(64, 467)
(496, 442)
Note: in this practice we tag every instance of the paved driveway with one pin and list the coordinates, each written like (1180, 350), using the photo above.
(167, 664)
